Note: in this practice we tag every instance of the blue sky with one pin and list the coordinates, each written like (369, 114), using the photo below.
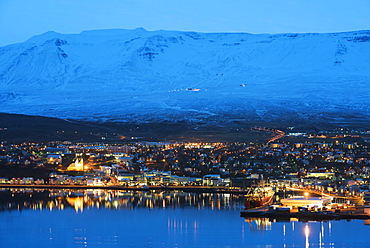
(22, 19)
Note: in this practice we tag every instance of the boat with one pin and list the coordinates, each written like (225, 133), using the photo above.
(259, 197)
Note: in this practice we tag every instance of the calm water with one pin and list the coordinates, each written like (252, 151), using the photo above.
(156, 219)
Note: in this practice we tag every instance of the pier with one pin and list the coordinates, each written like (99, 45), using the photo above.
(349, 213)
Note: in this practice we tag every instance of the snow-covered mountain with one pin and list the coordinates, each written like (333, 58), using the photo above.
(137, 75)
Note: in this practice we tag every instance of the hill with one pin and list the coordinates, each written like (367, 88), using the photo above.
(204, 78)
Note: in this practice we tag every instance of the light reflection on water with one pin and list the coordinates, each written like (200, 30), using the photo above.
(17, 199)
(83, 218)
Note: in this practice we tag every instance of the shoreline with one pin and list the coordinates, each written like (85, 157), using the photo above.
(301, 216)
(196, 189)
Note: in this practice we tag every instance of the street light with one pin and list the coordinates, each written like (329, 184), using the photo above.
(306, 194)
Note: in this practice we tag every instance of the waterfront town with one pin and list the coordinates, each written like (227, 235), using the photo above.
(336, 162)
(332, 165)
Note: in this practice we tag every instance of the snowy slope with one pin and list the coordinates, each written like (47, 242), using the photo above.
(137, 75)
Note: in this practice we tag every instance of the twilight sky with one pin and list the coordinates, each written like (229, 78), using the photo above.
(22, 19)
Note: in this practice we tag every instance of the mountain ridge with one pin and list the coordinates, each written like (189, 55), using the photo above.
(143, 76)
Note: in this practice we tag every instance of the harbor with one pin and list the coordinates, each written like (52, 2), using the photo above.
(304, 214)
(315, 208)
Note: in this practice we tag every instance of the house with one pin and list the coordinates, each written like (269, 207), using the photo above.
(4, 180)
(212, 180)
(54, 159)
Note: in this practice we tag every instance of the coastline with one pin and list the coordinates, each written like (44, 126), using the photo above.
(305, 216)
(196, 189)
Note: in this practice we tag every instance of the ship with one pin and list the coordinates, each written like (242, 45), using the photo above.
(259, 197)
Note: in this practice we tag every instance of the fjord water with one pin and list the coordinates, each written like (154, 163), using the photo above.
(100, 218)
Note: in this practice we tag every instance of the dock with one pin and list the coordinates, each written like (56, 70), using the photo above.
(266, 212)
